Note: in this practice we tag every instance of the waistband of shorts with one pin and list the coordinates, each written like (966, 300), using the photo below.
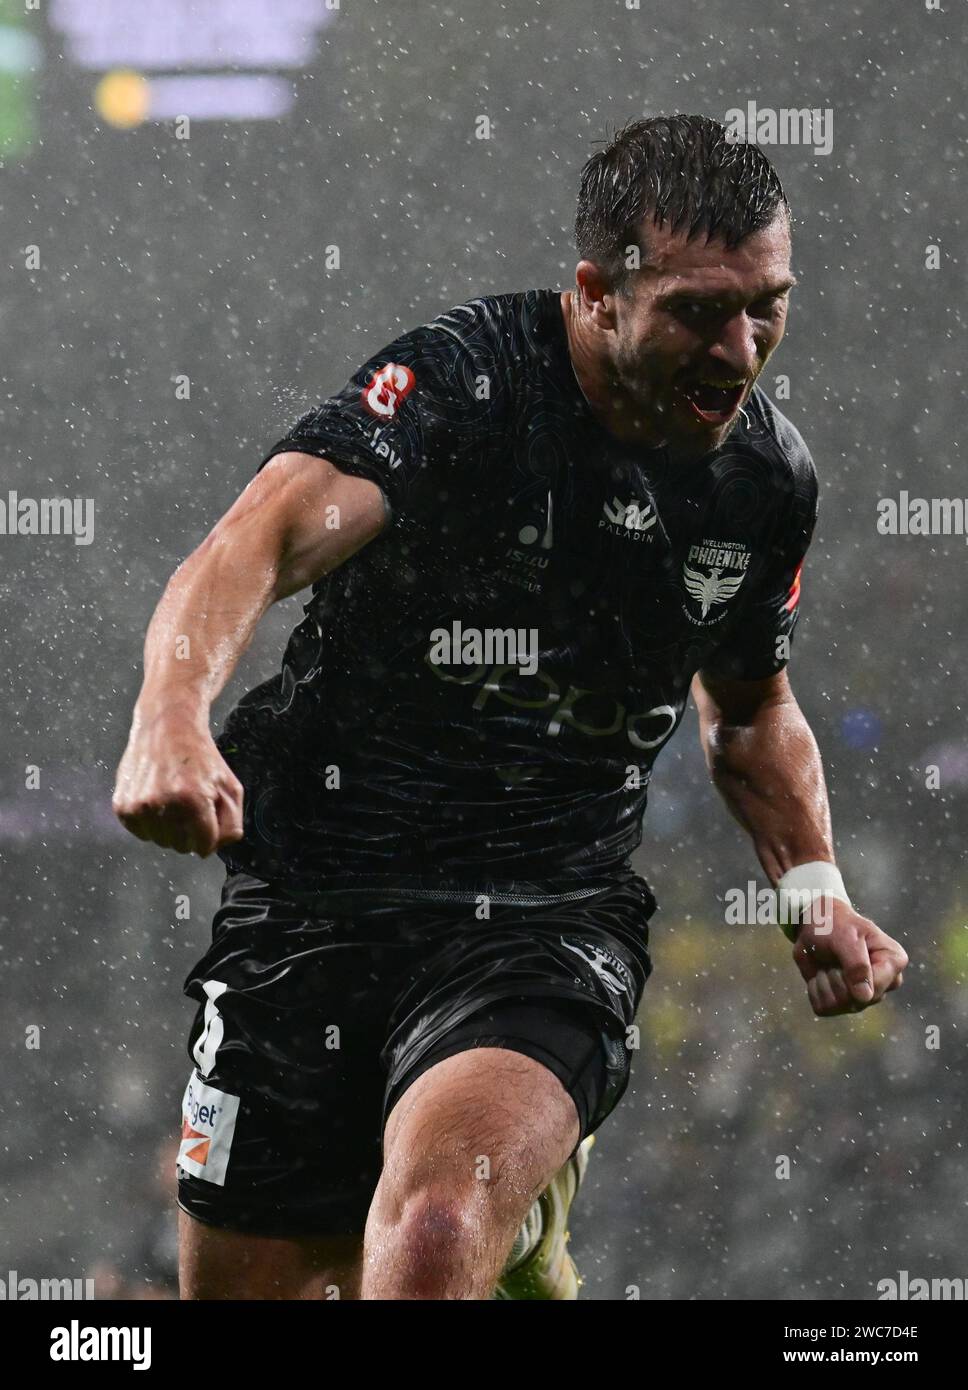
(401, 896)
(350, 900)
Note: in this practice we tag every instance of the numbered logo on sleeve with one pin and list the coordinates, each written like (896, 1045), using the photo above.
(386, 389)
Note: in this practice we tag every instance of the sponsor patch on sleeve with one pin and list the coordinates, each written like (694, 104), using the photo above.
(208, 1128)
(386, 389)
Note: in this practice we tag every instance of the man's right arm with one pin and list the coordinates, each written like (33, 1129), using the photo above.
(298, 519)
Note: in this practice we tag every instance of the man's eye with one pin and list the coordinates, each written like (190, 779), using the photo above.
(766, 308)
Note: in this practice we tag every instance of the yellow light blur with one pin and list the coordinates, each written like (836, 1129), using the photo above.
(121, 98)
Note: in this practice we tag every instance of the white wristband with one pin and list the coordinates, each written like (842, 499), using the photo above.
(800, 887)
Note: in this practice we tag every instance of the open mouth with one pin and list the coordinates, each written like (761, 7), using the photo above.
(714, 403)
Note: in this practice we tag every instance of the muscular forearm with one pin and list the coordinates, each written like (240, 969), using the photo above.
(296, 521)
(203, 624)
(769, 772)
(765, 762)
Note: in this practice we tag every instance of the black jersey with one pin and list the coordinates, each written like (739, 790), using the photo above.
(474, 701)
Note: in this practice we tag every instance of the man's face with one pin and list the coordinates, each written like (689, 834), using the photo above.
(695, 328)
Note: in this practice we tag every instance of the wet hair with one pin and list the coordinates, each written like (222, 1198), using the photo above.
(676, 172)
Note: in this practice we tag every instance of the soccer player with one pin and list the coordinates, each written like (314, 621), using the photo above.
(530, 527)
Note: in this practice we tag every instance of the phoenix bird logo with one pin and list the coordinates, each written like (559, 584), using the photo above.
(714, 587)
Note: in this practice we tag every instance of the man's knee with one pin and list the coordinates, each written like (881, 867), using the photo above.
(486, 1105)
(468, 1148)
(438, 1229)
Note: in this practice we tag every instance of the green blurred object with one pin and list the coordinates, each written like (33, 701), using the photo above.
(21, 56)
(954, 946)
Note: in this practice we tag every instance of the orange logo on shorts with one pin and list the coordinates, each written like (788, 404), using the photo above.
(198, 1153)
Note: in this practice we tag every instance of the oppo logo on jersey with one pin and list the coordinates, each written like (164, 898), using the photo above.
(576, 706)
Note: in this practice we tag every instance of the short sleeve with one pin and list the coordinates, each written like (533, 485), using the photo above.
(431, 402)
(760, 640)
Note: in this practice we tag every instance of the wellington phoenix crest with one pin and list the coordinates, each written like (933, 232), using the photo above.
(712, 574)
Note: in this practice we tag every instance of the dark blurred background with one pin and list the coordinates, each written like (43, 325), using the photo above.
(162, 252)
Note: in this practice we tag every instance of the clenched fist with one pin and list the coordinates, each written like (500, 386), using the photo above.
(847, 962)
(175, 788)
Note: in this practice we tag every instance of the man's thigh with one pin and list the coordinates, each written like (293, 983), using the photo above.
(483, 1116)
(221, 1264)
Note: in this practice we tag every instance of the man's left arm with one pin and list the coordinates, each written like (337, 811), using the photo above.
(765, 762)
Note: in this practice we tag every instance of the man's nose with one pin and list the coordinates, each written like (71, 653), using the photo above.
(735, 346)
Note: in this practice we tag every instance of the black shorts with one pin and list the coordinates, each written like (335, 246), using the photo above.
(311, 1027)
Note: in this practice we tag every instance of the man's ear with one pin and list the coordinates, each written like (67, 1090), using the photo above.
(597, 296)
